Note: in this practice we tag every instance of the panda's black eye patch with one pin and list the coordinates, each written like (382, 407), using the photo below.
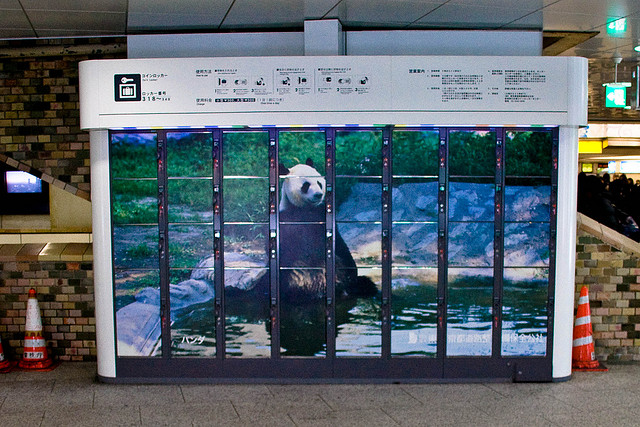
(305, 187)
(320, 185)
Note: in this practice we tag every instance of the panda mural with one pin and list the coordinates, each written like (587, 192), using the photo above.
(302, 240)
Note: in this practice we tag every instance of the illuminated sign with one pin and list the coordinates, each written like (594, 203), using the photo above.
(630, 166)
(616, 96)
(617, 26)
(590, 146)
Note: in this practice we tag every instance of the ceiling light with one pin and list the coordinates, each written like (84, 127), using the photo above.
(637, 48)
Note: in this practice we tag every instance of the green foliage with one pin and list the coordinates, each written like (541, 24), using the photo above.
(246, 199)
(415, 153)
(246, 154)
(188, 244)
(359, 153)
(528, 153)
(297, 147)
(472, 153)
(134, 201)
(133, 155)
(189, 154)
(140, 251)
(184, 253)
(190, 200)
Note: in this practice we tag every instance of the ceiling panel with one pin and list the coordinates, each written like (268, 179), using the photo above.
(176, 15)
(14, 19)
(316, 9)
(13, 33)
(522, 5)
(603, 48)
(532, 21)
(572, 21)
(611, 8)
(473, 16)
(186, 7)
(81, 5)
(401, 12)
(93, 21)
(10, 4)
(272, 13)
(173, 21)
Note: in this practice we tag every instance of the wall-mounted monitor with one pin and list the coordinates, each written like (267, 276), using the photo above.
(22, 193)
(19, 182)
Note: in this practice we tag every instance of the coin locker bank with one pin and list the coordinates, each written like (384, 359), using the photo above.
(334, 218)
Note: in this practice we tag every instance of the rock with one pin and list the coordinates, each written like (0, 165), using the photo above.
(527, 203)
(138, 329)
(423, 203)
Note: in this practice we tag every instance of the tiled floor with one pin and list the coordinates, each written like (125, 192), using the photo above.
(70, 396)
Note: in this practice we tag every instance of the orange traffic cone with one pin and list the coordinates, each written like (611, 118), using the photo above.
(35, 356)
(584, 353)
(5, 365)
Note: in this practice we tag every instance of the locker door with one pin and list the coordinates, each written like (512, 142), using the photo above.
(302, 233)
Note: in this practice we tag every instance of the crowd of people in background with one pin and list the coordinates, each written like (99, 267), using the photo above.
(615, 204)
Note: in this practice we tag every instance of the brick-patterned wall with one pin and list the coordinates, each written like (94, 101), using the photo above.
(39, 113)
(602, 71)
(66, 298)
(613, 279)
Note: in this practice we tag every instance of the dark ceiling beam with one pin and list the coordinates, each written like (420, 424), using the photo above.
(556, 42)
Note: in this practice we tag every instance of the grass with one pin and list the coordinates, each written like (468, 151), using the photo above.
(246, 154)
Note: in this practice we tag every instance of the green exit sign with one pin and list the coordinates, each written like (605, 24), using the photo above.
(617, 26)
(616, 97)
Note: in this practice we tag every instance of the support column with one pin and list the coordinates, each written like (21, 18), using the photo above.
(323, 38)
(103, 276)
(566, 252)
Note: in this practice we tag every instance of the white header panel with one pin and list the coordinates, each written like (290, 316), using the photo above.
(333, 90)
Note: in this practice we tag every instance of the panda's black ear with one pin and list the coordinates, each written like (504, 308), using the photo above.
(282, 170)
(309, 162)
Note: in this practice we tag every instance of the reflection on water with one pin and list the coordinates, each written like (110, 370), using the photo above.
(414, 313)
(247, 339)
(192, 333)
(524, 313)
(359, 329)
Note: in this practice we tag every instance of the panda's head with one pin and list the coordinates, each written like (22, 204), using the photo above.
(303, 186)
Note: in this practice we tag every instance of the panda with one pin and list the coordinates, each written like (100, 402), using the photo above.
(303, 240)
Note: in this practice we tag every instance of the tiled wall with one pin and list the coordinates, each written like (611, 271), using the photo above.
(62, 275)
(609, 265)
(39, 116)
(40, 134)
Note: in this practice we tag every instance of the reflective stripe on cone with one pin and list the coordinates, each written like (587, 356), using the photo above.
(584, 355)
(35, 354)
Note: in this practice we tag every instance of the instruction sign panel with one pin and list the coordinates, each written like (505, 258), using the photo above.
(487, 84)
(339, 84)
